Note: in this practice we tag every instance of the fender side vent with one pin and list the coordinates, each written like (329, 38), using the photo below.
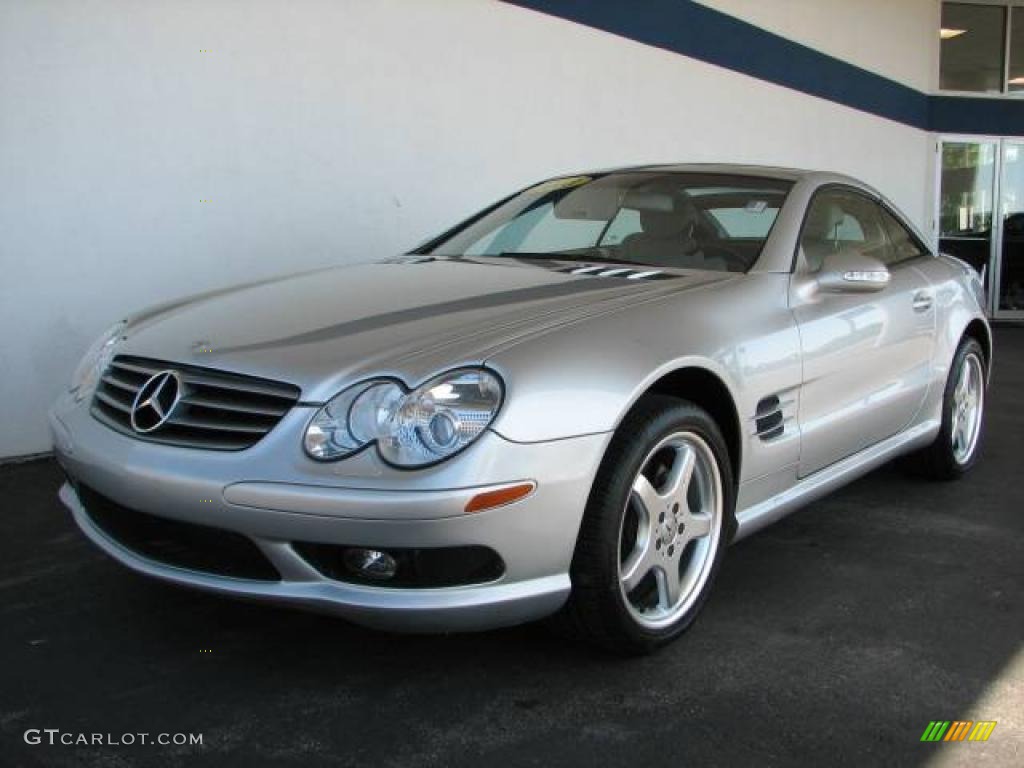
(770, 418)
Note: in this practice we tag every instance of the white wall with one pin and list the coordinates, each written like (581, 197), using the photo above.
(898, 39)
(326, 132)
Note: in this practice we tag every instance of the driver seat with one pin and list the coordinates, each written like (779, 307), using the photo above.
(667, 239)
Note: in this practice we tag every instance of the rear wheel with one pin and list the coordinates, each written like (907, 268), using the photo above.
(655, 528)
(963, 417)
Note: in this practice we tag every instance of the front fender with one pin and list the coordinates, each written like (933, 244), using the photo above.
(584, 396)
(960, 301)
(583, 379)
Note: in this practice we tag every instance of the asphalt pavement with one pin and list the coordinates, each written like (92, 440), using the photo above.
(832, 638)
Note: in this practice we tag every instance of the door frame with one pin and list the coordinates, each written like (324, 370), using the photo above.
(995, 256)
(997, 284)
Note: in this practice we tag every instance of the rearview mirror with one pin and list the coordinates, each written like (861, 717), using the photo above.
(850, 271)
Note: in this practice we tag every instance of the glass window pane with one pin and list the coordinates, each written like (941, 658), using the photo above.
(1011, 279)
(973, 43)
(1016, 82)
(625, 223)
(968, 178)
(651, 218)
(838, 220)
(548, 232)
(966, 201)
(902, 245)
(850, 231)
(753, 220)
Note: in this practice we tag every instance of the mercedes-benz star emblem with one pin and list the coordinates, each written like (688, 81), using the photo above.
(156, 400)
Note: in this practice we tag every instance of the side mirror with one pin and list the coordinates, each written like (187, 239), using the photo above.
(850, 271)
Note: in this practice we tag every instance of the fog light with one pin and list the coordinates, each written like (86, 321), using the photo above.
(371, 563)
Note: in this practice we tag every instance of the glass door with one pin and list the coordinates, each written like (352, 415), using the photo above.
(1009, 283)
(967, 197)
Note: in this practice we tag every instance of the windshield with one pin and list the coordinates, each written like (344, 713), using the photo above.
(662, 219)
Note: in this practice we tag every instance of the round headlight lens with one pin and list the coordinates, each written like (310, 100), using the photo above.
(441, 417)
(95, 362)
(373, 411)
(431, 423)
(328, 435)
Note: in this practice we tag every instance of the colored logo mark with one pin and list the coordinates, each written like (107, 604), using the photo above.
(958, 730)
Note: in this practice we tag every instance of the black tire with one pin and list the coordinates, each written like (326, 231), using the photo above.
(939, 461)
(596, 610)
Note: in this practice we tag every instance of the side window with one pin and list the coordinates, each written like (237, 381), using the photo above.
(839, 219)
(850, 231)
(902, 244)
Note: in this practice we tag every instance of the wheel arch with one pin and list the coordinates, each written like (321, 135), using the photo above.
(978, 330)
(708, 390)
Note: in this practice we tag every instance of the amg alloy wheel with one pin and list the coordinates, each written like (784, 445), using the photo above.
(670, 529)
(968, 407)
(963, 417)
(655, 528)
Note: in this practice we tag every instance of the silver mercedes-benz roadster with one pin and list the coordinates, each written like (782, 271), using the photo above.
(568, 405)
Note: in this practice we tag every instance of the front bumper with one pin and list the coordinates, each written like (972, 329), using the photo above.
(274, 496)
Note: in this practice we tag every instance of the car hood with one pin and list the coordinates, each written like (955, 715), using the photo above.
(408, 317)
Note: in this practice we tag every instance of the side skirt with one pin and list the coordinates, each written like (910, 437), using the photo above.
(830, 478)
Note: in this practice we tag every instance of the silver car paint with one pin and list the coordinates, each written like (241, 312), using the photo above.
(860, 377)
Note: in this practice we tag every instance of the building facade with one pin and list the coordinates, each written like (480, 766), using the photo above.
(151, 150)
(947, 77)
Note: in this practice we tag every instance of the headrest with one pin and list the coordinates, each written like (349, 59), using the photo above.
(646, 199)
(669, 223)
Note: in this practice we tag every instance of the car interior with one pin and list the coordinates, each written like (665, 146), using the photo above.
(673, 238)
(662, 224)
(838, 220)
(670, 220)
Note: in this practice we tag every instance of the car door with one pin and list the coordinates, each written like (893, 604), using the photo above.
(866, 356)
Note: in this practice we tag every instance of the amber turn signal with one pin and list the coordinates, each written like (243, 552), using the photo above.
(500, 497)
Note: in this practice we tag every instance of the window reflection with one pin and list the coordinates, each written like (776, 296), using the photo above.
(1011, 280)
(1016, 81)
(973, 45)
(966, 201)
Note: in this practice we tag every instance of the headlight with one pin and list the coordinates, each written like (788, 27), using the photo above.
(411, 429)
(95, 362)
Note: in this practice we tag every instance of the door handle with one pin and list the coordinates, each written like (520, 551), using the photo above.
(922, 301)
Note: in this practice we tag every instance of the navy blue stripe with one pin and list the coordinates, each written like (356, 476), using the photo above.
(964, 114)
(702, 33)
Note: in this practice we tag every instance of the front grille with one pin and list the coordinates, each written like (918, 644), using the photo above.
(174, 542)
(217, 410)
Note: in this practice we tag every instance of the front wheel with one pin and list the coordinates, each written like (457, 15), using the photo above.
(656, 526)
(963, 417)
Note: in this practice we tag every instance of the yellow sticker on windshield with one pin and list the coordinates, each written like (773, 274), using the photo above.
(564, 183)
